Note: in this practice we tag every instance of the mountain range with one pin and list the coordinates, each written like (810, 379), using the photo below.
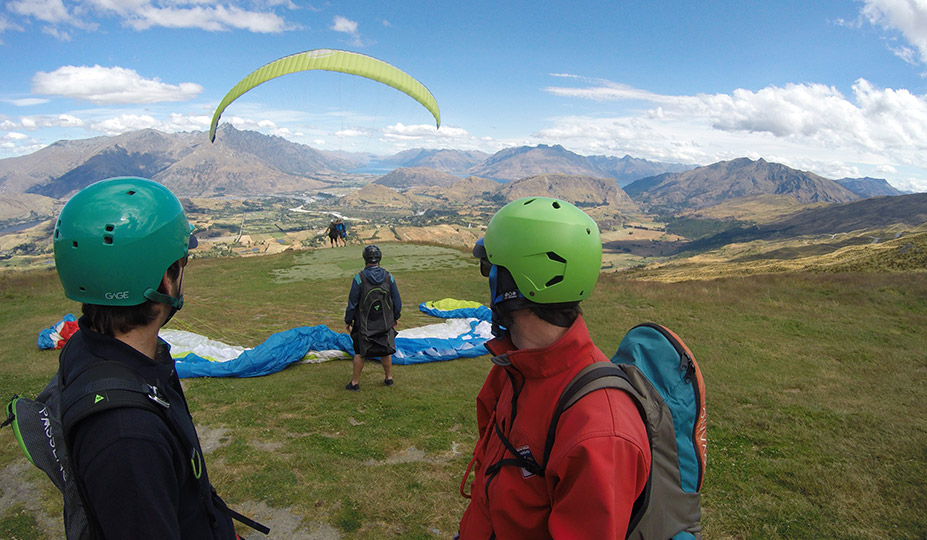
(878, 213)
(726, 180)
(245, 163)
(869, 187)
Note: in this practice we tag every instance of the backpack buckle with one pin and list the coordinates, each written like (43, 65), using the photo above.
(155, 395)
(10, 415)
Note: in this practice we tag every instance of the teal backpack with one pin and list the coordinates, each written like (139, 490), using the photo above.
(660, 374)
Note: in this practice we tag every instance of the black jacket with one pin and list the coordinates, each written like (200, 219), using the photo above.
(136, 475)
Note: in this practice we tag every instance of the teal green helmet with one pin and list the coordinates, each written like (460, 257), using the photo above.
(551, 248)
(114, 240)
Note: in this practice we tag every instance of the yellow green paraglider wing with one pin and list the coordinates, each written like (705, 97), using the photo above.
(331, 60)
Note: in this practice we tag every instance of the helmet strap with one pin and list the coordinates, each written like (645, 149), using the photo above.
(504, 299)
(175, 302)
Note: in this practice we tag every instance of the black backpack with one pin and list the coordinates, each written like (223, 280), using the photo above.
(42, 427)
(374, 319)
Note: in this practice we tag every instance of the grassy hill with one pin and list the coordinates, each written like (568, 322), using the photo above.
(816, 388)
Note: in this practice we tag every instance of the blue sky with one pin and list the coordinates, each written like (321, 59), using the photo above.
(838, 88)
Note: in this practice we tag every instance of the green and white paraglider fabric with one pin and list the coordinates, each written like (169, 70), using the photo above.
(331, 60)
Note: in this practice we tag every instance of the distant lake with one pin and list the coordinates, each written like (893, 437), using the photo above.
(20, 227)
(372, 169)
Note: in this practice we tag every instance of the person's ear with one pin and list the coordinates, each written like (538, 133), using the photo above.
(168, 285)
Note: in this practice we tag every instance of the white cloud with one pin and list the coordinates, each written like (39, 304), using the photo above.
(603, 91)
(809, 126)
(146, 14)
(43, 121)
(56, 33)
(415, 131)
(400, 136)
(184, 122)
(67, 120)
(120, 7)
(124, 123)
(910, 184)
(352, 133)
(26, 102)
(876, 121)
(349, 27)
(343, 24)
(14, 136)
(172, 123)
(909, 17)
(886, 169)
(109, 85)
(214, 18)
(566, 75)
(249, 124)
(6, 24)
(52, 11)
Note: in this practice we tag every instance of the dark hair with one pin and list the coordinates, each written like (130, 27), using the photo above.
(108, 320)
(563, 314)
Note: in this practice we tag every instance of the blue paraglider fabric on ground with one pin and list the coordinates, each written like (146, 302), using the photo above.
(277, 352)
(462, 335)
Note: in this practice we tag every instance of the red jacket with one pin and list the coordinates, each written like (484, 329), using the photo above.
(598, 464)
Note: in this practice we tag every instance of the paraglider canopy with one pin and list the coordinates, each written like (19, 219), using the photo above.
(331, 60)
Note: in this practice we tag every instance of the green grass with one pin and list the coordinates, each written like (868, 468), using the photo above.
(816, 387)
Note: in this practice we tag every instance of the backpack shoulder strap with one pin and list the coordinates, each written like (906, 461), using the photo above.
(592, 377)
(108, 385)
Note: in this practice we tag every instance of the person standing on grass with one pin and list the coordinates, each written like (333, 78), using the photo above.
(542, 257)
(332, 233)
(121, 246)
(342, 231)
(373, 311)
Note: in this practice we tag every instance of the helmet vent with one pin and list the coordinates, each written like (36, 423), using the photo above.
(109, 228)
(556, 204)
(74, 243)
(553, 281)
(554, 257)
(130, 192)
(108, 240)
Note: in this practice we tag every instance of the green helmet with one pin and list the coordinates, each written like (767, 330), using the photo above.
(551, 248)
(115, 238)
